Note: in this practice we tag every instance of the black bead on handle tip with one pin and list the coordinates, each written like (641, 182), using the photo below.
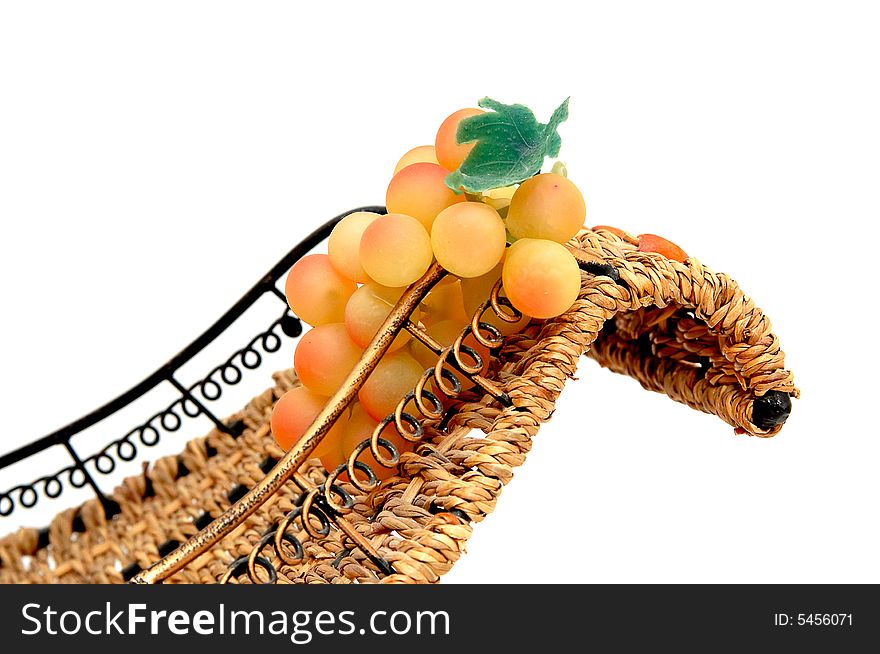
(770, 410)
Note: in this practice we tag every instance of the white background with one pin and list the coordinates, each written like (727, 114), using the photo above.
(156, 159)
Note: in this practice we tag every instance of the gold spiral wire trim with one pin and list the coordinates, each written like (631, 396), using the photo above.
(323, 507)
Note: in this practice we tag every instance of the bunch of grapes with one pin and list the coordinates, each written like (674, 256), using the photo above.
(515, 234)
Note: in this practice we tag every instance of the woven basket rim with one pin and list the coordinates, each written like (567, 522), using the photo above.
(709, 347)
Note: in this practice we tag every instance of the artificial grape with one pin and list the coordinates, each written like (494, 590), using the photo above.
(547, 206)
(450, 153)
(316, 291)
(444, 302)
(420, 191)
(660, 245)
(541, 278)
(360, 427)
(419, 154)
(395, 376)
(620, 233)
(368, 308)
(396, 250)
(336, 453)
(292, 415)
(477, 290)
(468, 239)
(446, 331)
(324, 357)
(344, 245)
(422, 354)
(333, 455)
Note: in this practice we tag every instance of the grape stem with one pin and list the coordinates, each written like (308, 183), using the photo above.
(559, 168)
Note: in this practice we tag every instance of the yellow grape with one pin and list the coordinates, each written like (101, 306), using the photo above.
(420, 191)
(316, 291)
(396, 375)
(292, 415)
(468, 239)
(449, 153)
(419, 154)
(476, 290)
(368, 308)
(396, 250)
(324, 357)
(344, 245)
(541, 278)
(359, 427)
(446, 331)
(444, 302)
(422, 354)
(546, 206)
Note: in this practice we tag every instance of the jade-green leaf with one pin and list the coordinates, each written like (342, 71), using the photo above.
(510, 146)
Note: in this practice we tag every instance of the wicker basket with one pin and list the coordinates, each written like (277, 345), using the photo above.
(678, 328)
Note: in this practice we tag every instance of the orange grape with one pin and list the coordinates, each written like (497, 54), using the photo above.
(546, 206)
(396, 375)
(444, 302)
(420, 191)
(344, 245)
(654, 243)
(368, 308)
(324, 357)
(468, 239)
(396, 250)
(419, 154)
(316, 291)
(541, 278)
(294, 413)
(449, 153)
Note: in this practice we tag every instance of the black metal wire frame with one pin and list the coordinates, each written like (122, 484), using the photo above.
(209, 389)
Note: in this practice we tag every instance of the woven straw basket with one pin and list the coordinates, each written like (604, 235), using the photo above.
(678, 328)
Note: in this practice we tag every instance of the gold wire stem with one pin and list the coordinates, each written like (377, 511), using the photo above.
(201, 542)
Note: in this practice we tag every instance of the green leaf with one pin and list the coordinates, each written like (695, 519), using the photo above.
(510, 146)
